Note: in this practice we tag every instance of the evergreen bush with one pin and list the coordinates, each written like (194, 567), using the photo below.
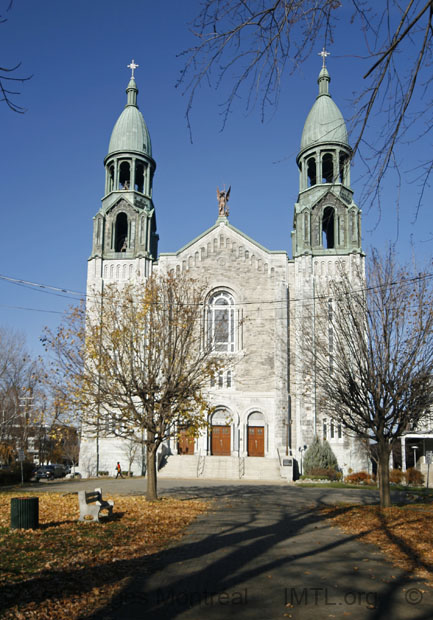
(319, 456)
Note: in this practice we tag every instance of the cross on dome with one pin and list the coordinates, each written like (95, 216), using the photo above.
(323, 54)
(132, 66)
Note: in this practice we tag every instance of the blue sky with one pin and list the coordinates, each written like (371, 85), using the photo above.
(52, 157)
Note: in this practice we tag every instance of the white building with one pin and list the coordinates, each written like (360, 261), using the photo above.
(266, 412)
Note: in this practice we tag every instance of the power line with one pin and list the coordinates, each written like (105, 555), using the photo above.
(71, 294)
(32, 309)
(42, 288)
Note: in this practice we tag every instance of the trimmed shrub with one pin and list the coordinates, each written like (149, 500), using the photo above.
(395, 476)
(319, 456)
(359, 477)
(324, 474)
(414, 477)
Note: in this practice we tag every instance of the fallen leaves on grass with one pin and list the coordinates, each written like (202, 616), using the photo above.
(404, 533)
(66, 568)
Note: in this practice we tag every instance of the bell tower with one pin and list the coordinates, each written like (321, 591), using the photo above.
(125, 242)
(326, 241)
(326, 220)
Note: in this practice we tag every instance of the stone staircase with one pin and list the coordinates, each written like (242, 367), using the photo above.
(222, 467)
(179, 466)
(259, 468)
(226, 467)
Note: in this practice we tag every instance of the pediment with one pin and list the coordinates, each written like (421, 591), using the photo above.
(337, 197)
(122, 205)
(224, 245)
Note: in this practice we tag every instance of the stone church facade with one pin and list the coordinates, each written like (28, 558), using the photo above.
(264, 415)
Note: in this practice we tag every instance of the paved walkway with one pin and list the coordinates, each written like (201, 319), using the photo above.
(264, 552)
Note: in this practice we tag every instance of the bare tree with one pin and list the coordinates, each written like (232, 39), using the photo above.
(21, 393)
(251, 45)
(140, 364)
(373, 355)
(9, 77)
(130, 448)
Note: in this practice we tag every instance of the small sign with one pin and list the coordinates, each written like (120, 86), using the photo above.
(287, 463)
(21, 456)
(429, 457)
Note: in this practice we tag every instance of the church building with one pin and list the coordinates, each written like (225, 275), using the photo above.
(266, 413)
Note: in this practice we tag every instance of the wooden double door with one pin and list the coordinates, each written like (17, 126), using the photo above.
(256, 441)
(185, 444)
(221, 439)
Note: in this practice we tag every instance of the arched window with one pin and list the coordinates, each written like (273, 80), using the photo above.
(311, 171)
(124, 175)
(342, 162)
(328, 228)
(121, 233)
(327, 168)
(110, 178)
(221, 322)
(139, 177)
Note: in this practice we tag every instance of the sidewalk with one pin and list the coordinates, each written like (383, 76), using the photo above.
(265, 552)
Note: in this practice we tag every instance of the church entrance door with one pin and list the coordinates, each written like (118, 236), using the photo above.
(221, 436)
(185, 443)
(256, 441)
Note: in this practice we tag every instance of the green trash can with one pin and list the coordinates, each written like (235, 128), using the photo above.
(25, 513)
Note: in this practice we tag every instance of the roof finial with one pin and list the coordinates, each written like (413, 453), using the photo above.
(132, 66)
(323, 54)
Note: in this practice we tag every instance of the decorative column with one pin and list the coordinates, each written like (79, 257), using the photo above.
(403, 452)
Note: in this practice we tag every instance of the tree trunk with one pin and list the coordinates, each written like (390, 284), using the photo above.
(151, 493)
(383, 472)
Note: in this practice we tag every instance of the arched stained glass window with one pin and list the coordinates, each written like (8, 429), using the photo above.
(221, 322)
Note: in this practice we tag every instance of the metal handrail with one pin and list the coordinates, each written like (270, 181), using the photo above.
(200, 464)
(241, 467)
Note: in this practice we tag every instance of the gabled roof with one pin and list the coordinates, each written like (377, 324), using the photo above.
(223, 222)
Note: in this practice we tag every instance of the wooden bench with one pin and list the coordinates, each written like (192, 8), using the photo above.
(91, 504)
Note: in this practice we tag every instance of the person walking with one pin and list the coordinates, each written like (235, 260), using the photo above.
(119, 470)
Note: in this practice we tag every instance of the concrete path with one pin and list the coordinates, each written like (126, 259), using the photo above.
(263, 553)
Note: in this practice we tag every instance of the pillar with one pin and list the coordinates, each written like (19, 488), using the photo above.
(403, 453)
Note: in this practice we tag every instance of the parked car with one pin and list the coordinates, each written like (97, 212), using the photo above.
(49, 472)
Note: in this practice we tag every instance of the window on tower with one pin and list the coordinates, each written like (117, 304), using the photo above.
(328, 228)
(139, 177)
(327, 168)
(110, 178)
(121, 233)
(311, 171)
(124, 175)
(342, 162)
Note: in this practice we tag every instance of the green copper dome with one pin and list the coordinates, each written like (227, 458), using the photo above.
(324, 123)
(130, 132)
